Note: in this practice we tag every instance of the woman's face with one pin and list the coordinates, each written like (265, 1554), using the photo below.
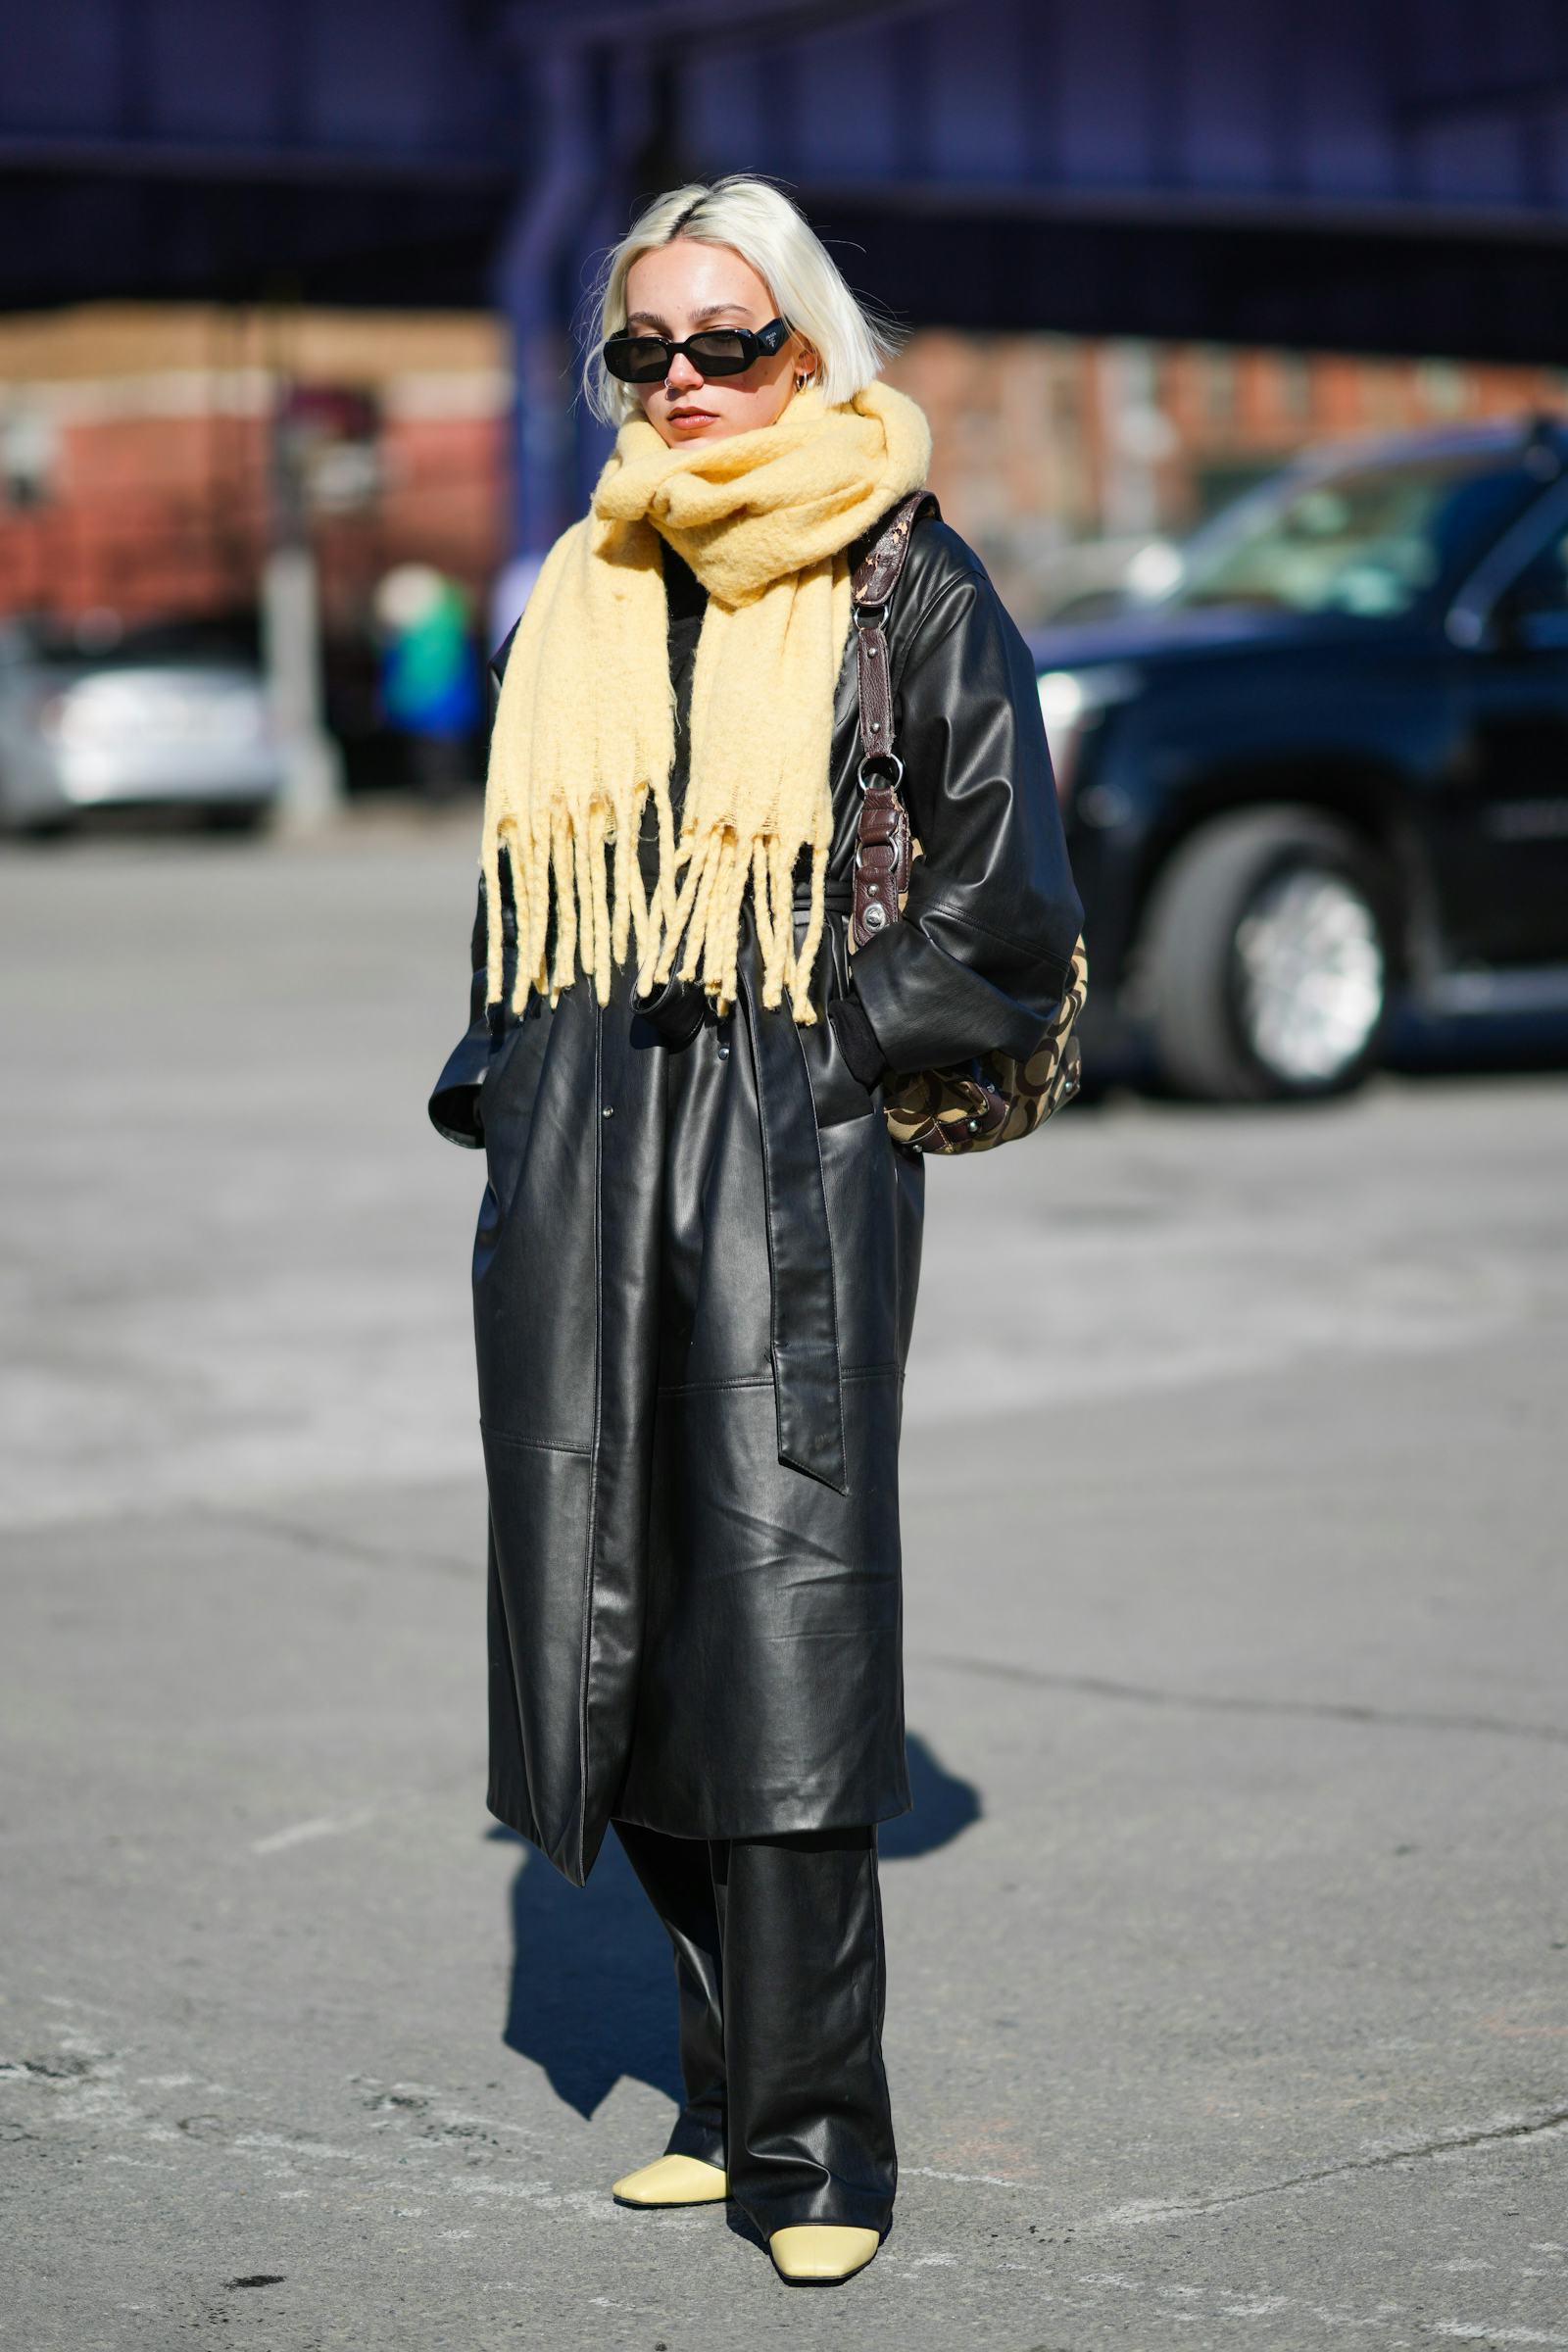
(682, 289)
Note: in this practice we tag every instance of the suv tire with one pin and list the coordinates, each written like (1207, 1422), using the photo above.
(1267, 954)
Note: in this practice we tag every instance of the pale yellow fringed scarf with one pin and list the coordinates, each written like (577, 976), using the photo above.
(584, 729)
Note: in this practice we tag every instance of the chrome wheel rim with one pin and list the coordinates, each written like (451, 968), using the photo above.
(1311, 975)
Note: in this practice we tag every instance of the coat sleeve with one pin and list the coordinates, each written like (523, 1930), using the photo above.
(454, 1106)
(981, 958)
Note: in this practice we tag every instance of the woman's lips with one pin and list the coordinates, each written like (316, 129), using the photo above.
(693, 419)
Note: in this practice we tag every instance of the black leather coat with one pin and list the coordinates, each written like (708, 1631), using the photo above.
(695, 1278)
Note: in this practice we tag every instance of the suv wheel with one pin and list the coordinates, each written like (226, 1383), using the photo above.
(1266, 958)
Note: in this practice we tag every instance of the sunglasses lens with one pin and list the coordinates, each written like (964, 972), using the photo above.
(720, 354)
(637, 359)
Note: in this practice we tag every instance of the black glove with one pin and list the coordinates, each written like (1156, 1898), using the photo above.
(858, 1040)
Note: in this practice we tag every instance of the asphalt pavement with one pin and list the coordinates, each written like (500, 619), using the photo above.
(1229, 1936)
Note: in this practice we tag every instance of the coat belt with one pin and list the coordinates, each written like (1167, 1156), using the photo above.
(837, 896)
(807, 1388)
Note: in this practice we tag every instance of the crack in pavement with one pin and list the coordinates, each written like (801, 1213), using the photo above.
(1449, 2144)
(1095, 1686)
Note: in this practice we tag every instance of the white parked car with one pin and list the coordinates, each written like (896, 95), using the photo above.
(168, 716)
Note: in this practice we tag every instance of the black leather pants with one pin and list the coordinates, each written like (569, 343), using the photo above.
(780, 1969)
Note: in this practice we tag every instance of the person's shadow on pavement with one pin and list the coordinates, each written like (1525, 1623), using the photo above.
(592, 1979)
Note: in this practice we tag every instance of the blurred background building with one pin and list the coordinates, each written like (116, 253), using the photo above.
(136, 442)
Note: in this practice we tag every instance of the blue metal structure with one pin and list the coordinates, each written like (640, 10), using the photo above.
(1374, 175)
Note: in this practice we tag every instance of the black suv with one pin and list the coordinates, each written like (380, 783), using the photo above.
(1326, 771)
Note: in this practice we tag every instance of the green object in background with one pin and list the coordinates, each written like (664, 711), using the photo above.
(429, 676)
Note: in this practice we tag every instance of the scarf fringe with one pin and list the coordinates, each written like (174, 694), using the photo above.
(601, 909)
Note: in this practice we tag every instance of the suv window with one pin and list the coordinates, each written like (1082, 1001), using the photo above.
(1372, 541)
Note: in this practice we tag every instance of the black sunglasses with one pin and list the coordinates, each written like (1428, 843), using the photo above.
(717, 351)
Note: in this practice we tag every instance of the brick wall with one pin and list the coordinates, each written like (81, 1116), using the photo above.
(136, 444)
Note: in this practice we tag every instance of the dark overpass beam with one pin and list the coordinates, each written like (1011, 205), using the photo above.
(164, 158)
(715, 22)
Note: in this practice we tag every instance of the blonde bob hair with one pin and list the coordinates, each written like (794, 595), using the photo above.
(757, 222)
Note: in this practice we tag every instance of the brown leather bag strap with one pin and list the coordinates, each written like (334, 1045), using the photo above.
(875, 577)
(882, 847)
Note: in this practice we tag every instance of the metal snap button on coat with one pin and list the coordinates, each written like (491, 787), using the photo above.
(609, 1111)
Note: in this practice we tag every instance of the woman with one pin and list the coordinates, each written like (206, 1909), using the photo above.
(697, 1254)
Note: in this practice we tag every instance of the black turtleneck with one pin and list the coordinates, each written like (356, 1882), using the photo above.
(684, 594)
(687, 602)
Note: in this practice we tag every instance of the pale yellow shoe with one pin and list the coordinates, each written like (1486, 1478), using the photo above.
(821, 2253)
(672, 2181)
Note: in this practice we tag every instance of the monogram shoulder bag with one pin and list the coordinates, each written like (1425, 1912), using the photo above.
(970, 1105)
